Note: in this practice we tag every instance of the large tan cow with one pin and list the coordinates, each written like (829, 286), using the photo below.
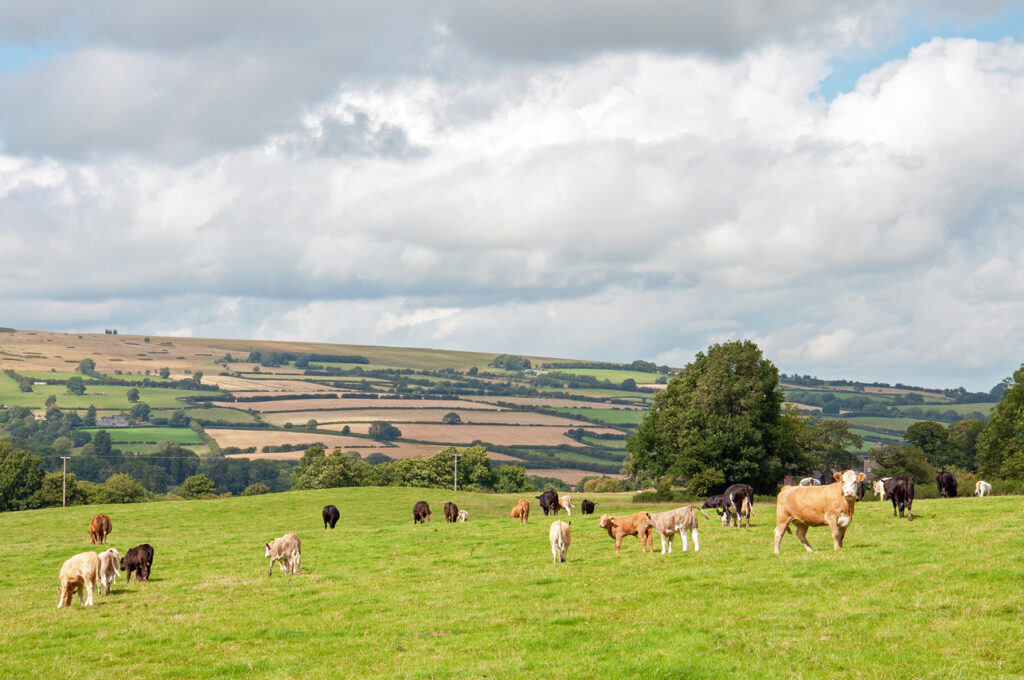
(287, 549)
(522, 511)
(110, 560)
(79, 573)
(99, 527)
(639, 525)
(672, 522)
(566, 503)
(559, 536)
(815, 506)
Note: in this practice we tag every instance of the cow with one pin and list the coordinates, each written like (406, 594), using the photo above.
(559, 536)
(331, 516)
(522, 511)
(717, 501)
(109, 562)
(99, 527)
(878, 486)
(139, 560)
(421, 513)
(587, 507)
(287, 550)
(678, 521)
(815, 506)
(79, 573)
(565, 502)
(860, 491)
(451, 512)
(982, 489)
(946, 483)
(638, 524)
(463, 515)
(549, 502)
(900, 490)
(738, 502)
(810, 481)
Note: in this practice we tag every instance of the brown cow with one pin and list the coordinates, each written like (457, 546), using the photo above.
(639, 525)
(815, 506)
(522, 511)
(79, 573)
(451, 512)
(99, 527)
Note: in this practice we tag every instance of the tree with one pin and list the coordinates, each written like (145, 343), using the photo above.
(311, 424)
(120, 488)
(384, 431)
(87, 366)
(628, 385)
(451, 418)
(90, 417)
(21, 475)
(101, 444)
(76, 385)
(255, 490)
(140, 412)
(511, 479)
(198, 486)
(133, 395)
(933, 440)
(51, 493)
(197, 377)
(963, 442)
(908, 459)
(178, 419)
(833, 441)
(722, 411)
(1000, 451)
(165, 372)
(51, 401)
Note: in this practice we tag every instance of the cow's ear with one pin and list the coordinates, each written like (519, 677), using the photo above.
(861, 476)
(838, 476)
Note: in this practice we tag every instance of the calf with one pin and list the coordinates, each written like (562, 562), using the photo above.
(522, 511)
(451, 512)
(331, 516)
(900, 489)
(587, 507)
(738, 502)
(109, 562)
(421, 513)
(79, 573)
(982, 489)
(946, 483)
(878, 486)
(559, 537)
(810, 481)
(638, 524)
(678, 521)
(463, 515)
(815, 506)
(549, 502)
(139, 560)
(565, 502)
(287, 550)
(99, 527)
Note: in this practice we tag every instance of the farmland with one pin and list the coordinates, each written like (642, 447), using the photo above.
(381, 598)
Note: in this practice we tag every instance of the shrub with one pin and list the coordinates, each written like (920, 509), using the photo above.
(255, 490)
(198, 486)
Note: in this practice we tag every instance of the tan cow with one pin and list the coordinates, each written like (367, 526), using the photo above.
(522, 511)
(815, 506)
(287, 549)
(639, 525)
(99, 527)
(559, 536)
(566, 503)
(79, 573)
(110, 560)
(672, 522)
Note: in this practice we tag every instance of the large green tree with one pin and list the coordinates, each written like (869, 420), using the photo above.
(722, 412)
(1000, 452)
(21, 475)
(933, 439)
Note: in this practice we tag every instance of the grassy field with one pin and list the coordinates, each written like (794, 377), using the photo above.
(615, 376)
(228, 415)
(124, 435)
(962, 409)
(610, 416)
(100, 396)
(381, 598)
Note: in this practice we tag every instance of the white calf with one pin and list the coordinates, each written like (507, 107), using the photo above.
(559, 537)
(982, 489)
(678, 521)
(287, 550)
(110, 562)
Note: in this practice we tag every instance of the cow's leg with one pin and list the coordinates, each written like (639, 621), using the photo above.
(696, 541)
(780, 531)
(801, 533)
(682, 535)
(663, 545)
(837, 536)
(298, 562)
(618, 543)
(88, 589)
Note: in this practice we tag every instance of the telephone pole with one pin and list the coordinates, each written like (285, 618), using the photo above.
(64, 501)
(456, 455)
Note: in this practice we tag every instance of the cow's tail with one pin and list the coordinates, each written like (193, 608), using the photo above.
(701, 510)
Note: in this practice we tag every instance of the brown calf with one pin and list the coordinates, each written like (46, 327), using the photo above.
(639, 525)
(99, 527)
(522, 511)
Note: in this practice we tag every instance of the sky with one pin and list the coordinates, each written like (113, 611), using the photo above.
(840, 182)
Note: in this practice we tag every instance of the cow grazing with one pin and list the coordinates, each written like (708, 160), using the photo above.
(717, 501)
(678, 521)
(451, 512)
(139, 560)
(946, 483)
(549, 502)
(982, 489)
(331, 516)
(565, 502)
(522, 511)
(900, 490)
(421, 513)
(109, 562)
(80, 573)
(587, 507)
(878, 486)
(810, 481)
(559, 536)
(463, 515)
(99, 527)
(815, 506)
(638, 524)
(287, 550)
(738, 503)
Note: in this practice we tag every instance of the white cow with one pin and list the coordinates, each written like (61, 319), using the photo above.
(982, 489)
(559, 536)
(566, 503)
(80, 573)
(287, 550)
(463, 515)
(110, 562)
(678, 521)
(878, 486)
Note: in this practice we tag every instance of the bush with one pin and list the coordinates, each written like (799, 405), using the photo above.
(198, 486)
(255, 490)
(120, 488)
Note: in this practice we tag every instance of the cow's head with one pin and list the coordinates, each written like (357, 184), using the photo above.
(849, 479)
(267, 554)
(605, 521)
(122, 563)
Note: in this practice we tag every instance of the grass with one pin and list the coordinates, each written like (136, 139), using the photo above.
(610, 416)
(100, 396)
(228, 415)
(984, 408)
(381, 598)
(613, 375)
(125, 435)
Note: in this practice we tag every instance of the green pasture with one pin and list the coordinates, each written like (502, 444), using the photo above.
(579, 458)
(125, 435)
(611, 416)
(381, 598)
(611, 444)
(229, 415)
(100, 396)
(891, 425)
(613, 375)
(962, 409)
(869, 438)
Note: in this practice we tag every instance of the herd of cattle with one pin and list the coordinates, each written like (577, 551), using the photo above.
(806, 504)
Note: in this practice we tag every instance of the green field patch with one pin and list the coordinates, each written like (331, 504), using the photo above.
(985, 408)
(609, 416)
(610, 444)
(125, 435)
(228, 415)
(100, 396)
(612, 375)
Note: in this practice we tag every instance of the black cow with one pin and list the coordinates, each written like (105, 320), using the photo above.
(946, 483)
(901, 490)
(716, 501)
(421, 513)
(860, 491)
(587, 507)
(140, 560)
(451, 512)
(331, 516)
(549, 501)
(738, 501)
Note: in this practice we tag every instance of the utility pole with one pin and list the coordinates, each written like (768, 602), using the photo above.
(456, 455)
(64, 502)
